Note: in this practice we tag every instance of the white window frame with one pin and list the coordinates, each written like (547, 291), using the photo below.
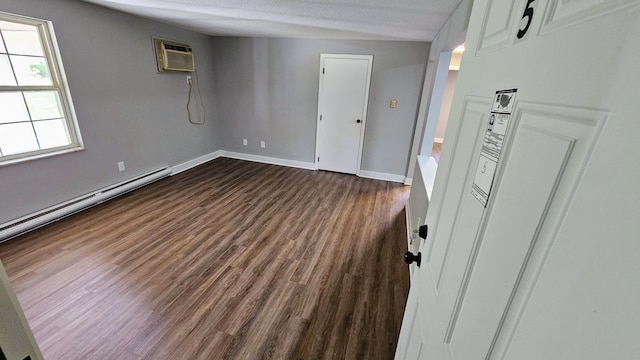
(59, 84)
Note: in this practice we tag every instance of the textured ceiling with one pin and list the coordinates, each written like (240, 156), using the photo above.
(323, 19)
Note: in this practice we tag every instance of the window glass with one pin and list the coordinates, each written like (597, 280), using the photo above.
(6, 74)
(21, 39)
(31, 70)
(36, 116)
(43, 104)
(51, 133)
(14, 107)
(17, 138)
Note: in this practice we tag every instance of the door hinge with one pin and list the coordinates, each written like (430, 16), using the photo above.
(323, 70)
(320, 117)
(318, 158)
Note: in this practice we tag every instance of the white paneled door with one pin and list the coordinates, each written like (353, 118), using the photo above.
(548, 267)
(342, 109)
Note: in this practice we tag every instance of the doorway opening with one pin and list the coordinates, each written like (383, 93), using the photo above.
(445, 105)
(446, 75)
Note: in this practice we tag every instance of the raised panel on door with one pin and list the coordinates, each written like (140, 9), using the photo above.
(563, 13)
(500, 17)
(441, 238)
(550, 145)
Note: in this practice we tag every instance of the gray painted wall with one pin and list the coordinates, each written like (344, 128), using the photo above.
(254, 88)
(267, 89)
(126, 111)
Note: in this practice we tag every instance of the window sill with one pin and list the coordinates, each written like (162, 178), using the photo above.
(36, 156)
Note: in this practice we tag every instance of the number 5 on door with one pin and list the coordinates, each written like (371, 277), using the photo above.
(526, 20)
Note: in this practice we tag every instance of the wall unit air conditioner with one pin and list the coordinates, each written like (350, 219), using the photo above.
(173, 56)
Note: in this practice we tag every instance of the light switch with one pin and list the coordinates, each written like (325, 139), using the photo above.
(393, 103)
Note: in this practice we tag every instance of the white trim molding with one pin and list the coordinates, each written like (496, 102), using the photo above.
(268, 160)
(195, 162)
(382, 176)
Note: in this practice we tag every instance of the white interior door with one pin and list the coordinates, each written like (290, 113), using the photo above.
(549, 268)
(342, 111)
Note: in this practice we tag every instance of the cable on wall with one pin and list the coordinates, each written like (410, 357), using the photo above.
(204, 109)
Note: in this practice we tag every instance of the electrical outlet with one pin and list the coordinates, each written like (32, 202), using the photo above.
(244, 142)
(188, 79)
(262, 144)
(121, 166)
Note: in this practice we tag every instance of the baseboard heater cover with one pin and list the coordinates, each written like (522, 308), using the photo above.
(54, 213)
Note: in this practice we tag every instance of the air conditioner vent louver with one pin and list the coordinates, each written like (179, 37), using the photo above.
(172, 56)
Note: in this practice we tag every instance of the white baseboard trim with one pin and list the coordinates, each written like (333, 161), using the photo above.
(438, 140)
(381, 176)
(306, 165)
(195, 162)
(268, 160)
(282, 162)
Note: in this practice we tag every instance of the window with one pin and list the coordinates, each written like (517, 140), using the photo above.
(36, 113)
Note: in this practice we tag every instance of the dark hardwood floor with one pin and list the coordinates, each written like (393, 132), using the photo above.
(230, 260)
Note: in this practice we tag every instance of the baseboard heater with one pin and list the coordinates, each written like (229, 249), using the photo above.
(54, 213)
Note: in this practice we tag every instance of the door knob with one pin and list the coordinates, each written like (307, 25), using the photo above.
(410, 258)
(358, 121)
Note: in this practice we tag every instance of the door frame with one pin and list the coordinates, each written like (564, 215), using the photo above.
(17, 340)
(324, 56)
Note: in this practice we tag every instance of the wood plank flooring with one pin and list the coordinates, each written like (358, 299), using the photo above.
(229, 260)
